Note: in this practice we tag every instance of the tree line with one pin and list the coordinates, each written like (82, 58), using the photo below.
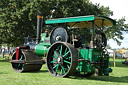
(18, 17)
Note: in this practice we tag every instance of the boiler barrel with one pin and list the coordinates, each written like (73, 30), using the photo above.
(41, 49)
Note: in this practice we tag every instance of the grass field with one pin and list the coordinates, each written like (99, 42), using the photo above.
(119, 76)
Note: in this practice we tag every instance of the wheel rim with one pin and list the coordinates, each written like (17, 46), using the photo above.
(18, 67)
(60, 60)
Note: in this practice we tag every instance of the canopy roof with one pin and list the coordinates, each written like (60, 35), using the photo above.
(83, 21)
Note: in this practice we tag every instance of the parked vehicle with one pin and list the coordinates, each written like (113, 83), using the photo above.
(66, 52)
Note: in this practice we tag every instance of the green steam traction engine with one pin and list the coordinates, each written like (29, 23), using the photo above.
(65, 50)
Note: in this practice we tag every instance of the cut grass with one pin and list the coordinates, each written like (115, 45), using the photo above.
(8, 76)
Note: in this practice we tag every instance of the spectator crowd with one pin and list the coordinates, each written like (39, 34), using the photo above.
(4, 50)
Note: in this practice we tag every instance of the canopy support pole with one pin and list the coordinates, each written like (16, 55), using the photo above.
(92, 38)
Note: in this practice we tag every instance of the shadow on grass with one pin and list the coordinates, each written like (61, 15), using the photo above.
(4, 73)
(41, 71)
(4, 60)
(103, 78)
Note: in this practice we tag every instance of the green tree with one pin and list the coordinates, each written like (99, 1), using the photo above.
(85, 7)
(17, 20)
(116, 32)
(18, 17)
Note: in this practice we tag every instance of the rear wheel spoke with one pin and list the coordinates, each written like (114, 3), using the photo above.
(63, 69)
(55, 66)
(68, 66)
(54, 57)
(55, 53)
(54, 61)
(67, 62)
(61, 50)
(66, 53)
(61, 72)
(68, 57)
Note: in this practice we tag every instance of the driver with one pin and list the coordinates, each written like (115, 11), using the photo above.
(77, 41)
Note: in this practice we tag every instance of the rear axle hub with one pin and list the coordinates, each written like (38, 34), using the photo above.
(60, 60)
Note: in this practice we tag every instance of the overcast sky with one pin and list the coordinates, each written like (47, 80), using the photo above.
(120, 9)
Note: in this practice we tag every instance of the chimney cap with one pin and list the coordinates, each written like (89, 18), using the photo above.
(39, 16)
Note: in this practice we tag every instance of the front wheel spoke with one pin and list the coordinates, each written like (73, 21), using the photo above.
(22, 66)
(66, 53)
(21, 57)
(67, 62)
(54, 61)
(18, 66)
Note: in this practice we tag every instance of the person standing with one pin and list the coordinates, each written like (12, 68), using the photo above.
(10, 52)
(3, 51)
(0, 50)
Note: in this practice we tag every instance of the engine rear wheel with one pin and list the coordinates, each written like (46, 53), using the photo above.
(62, 59)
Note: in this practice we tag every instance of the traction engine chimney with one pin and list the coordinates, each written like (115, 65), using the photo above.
(39, 27)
